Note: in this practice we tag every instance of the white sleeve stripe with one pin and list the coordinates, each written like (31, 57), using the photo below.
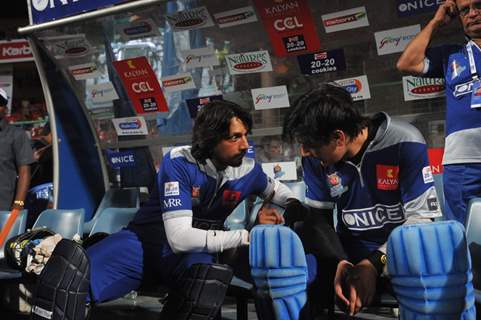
(426, 65)
(176, 214)
(319, 204)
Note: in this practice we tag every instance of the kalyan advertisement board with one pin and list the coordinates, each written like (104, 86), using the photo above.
(289, 25)
(141, 85)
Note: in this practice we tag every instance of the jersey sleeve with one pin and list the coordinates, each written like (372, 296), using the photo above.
(436, 60)
(175, 187)
(317, 193)
(417, 183)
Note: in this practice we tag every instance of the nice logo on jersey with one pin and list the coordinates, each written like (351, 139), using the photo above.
(387, 177)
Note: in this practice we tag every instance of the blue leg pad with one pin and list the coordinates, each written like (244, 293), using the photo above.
(430, 269)
(279, 269)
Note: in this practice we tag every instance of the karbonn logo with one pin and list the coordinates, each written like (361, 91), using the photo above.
(374, 217)
(41, 5)
(288, 23)
(13, 52)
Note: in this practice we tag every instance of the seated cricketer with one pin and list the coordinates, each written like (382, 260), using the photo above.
(374, 170)
(178, 237)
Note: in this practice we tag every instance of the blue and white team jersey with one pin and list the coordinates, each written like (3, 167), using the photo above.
(188, 188)
(463, 123)
(392, 183)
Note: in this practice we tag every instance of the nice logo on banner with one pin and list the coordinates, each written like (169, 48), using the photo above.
(141, 84)
(289, 25)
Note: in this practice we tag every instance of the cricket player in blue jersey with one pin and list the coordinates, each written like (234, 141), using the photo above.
(460, 66)
(373, 170)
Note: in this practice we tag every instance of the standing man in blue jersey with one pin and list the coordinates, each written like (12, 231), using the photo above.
(178, 238)
(460, 65)
(374, 170)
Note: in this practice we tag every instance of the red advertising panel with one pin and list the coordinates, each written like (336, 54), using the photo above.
(141, 84)
(289, 25)
(435, 156)
(15, 51)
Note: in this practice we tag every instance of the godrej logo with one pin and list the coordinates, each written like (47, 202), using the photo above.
(129, 125)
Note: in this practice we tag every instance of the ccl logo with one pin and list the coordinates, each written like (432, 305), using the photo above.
(139, 87)
(288, 23)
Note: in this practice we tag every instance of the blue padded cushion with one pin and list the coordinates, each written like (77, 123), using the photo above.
(430, 271)
(279, 269)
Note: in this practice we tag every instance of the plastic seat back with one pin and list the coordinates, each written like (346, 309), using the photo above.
(113, 219)
(67, 222)
(115, 198)
(237, 219)
(473, 237)
(17, 228)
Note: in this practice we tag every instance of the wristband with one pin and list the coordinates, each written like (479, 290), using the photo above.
(19, 203)
(378, 259)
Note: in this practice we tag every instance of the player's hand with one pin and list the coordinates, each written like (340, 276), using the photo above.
(361, 280)
(340, 284)
(445, 13)
(269, 216)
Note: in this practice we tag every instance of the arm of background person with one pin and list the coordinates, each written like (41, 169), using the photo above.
(23, 183)
(412, 59)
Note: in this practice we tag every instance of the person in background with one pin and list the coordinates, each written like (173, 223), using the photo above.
(15, 159)
(460, 66)
(374, 171)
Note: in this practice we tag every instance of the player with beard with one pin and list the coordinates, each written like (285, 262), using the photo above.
(178, 238)
(460, 65)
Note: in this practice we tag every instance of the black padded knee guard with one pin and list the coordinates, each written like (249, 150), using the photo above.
(199, 293)
(63, 285)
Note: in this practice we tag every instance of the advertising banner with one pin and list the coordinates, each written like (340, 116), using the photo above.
(322, 61)
(345, 20)
(271, 97)
(235, 17)
(178, 82)
(138, 29)
(407, 8)
(249, 62)
(17, 50)
(84, 71)
(196, 104)
(280, 170)
(416, 88)
(141, 85)
(102, 93)
(358, 87)
(197, 18)
(201, 57)
(47, 10)
(289, 25)
(130, 126)
(68, 46)
(395, 40)
(435, 156)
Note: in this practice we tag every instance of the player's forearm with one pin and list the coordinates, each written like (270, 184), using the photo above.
(412, 59)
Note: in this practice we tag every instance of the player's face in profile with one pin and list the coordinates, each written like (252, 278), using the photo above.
(231, 150)
(329, 154)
